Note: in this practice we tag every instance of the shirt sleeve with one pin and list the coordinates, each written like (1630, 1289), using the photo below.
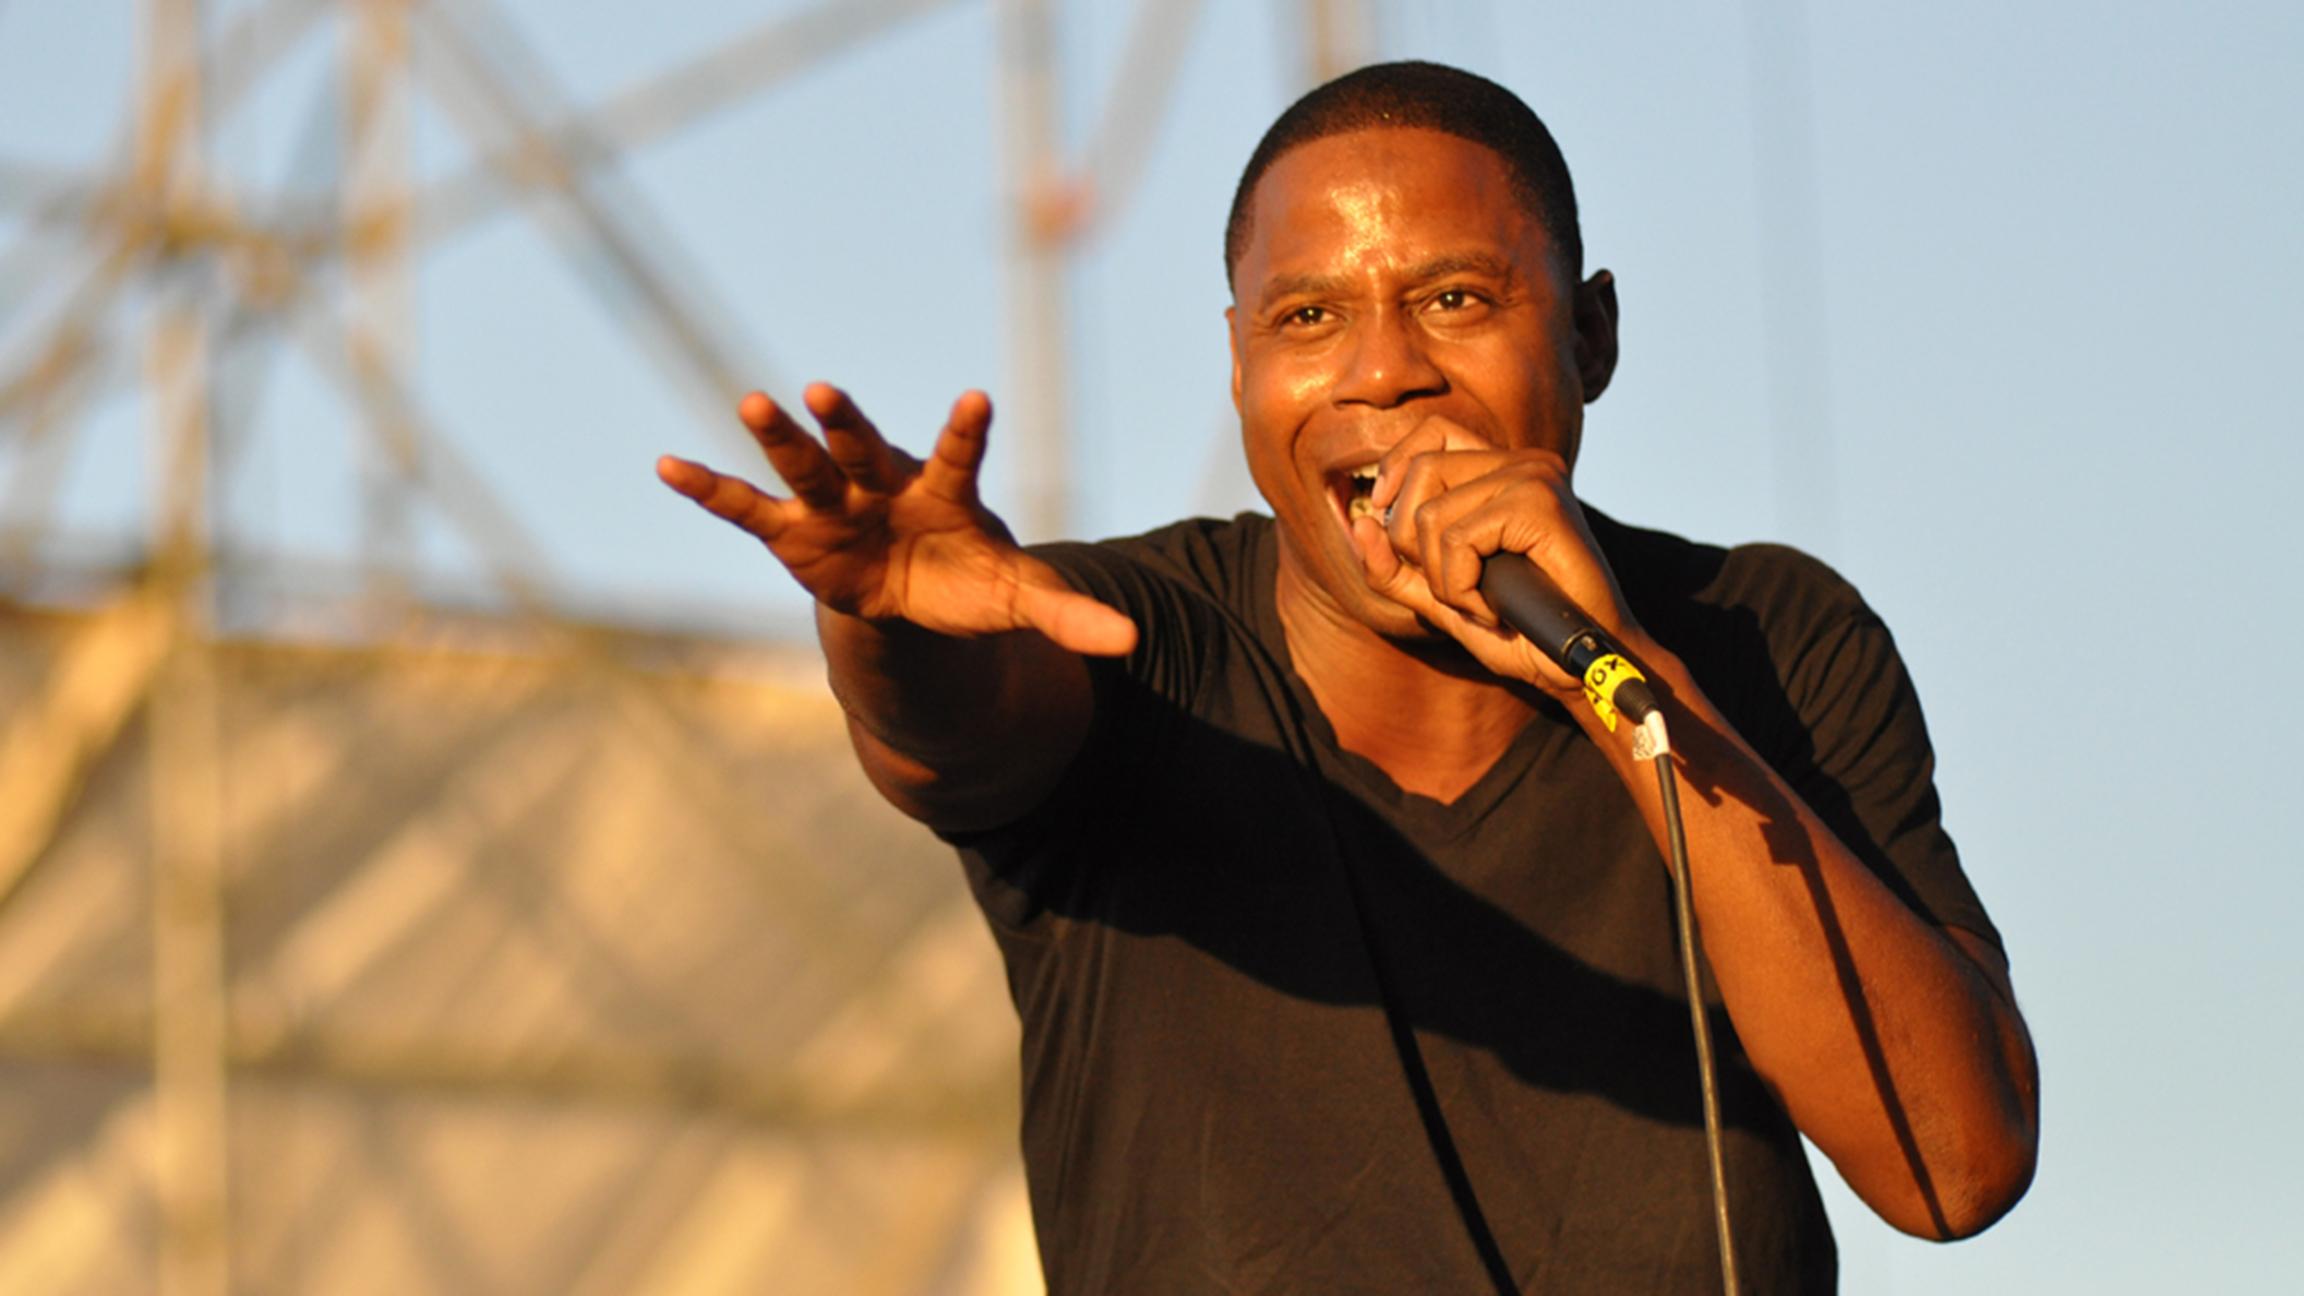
(1865, 765)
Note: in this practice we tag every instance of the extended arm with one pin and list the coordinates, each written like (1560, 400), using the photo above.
(955, 654)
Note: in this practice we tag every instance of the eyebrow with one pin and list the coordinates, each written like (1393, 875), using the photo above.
(1486, 264)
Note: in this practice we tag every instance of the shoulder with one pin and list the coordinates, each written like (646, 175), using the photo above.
(1661, 569)
(1725, 600)
(1778, 639)
(1213, 555)
(1811, 677)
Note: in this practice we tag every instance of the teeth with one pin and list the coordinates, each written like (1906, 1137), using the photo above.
(1363, 481)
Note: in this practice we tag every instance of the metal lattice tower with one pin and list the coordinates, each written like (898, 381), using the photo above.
(458, 951)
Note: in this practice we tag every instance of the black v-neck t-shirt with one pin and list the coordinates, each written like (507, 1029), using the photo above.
(1289, 1028)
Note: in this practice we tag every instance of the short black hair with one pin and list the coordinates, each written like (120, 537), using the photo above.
(1426, 96)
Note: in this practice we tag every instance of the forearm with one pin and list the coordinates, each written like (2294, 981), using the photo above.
(1897, 1051)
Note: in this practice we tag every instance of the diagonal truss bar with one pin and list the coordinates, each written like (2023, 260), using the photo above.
(120, 212)
(255, 37)
(50, 745)
(614, 243)
(353, 363)
(69, 340)
(1116, 155)
(666, 103)
(633, 118)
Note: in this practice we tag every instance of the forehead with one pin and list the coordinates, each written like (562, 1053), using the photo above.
(1386, 194)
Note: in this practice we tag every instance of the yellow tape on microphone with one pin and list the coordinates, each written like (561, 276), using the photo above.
(1601, 680)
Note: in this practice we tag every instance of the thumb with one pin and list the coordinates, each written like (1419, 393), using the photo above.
(1071, 620)
(1381, 566)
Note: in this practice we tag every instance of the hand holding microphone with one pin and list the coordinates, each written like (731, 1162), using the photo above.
(1463, 491)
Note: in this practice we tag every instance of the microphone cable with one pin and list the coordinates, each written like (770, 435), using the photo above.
(1684, 916)
(1528, 600)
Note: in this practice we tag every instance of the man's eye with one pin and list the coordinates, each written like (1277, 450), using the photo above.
(1449, 299)
(1306, 315)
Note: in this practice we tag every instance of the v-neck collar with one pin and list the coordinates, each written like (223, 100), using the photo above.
(1421, 816)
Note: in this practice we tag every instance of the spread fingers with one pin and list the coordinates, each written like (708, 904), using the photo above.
(862, 454)
(803, 464)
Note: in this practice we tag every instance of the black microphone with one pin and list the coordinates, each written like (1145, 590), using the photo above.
(1530, 602)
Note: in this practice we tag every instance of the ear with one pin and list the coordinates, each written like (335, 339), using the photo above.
(1596, 333)
(1232, 339)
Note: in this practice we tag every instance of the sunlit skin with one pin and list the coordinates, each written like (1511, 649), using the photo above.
(1395, 304)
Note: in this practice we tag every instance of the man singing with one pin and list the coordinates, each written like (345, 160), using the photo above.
(1336, 919)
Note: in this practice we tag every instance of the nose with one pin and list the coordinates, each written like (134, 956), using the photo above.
(1388, 364)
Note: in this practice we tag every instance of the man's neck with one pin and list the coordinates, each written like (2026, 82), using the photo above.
(1429, 717)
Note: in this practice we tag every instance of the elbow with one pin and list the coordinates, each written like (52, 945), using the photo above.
(1992, 1154)
(1959, 1196)
(2005, 1152)
(1977, 1176)
(1985, 1189)
(1951, 1173)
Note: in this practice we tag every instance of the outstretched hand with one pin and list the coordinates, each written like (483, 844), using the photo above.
(872, 532)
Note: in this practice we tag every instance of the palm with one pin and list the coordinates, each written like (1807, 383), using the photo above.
(907, 556)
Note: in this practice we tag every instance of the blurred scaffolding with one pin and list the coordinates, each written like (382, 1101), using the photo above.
(350, 942)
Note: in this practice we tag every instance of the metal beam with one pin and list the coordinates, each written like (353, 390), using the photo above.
(668, 101)
(46, 753)
(486, 78)
(191, 1152)
(949, 1107)
(1336, 38)
(1042, 203)
(378, 216)
(1116, 155)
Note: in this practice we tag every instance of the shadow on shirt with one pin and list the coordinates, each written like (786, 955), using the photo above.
(1203, 886)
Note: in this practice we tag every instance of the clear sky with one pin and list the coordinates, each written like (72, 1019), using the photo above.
(1991, 306)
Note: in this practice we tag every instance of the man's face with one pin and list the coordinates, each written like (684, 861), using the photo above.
(1393, 277)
